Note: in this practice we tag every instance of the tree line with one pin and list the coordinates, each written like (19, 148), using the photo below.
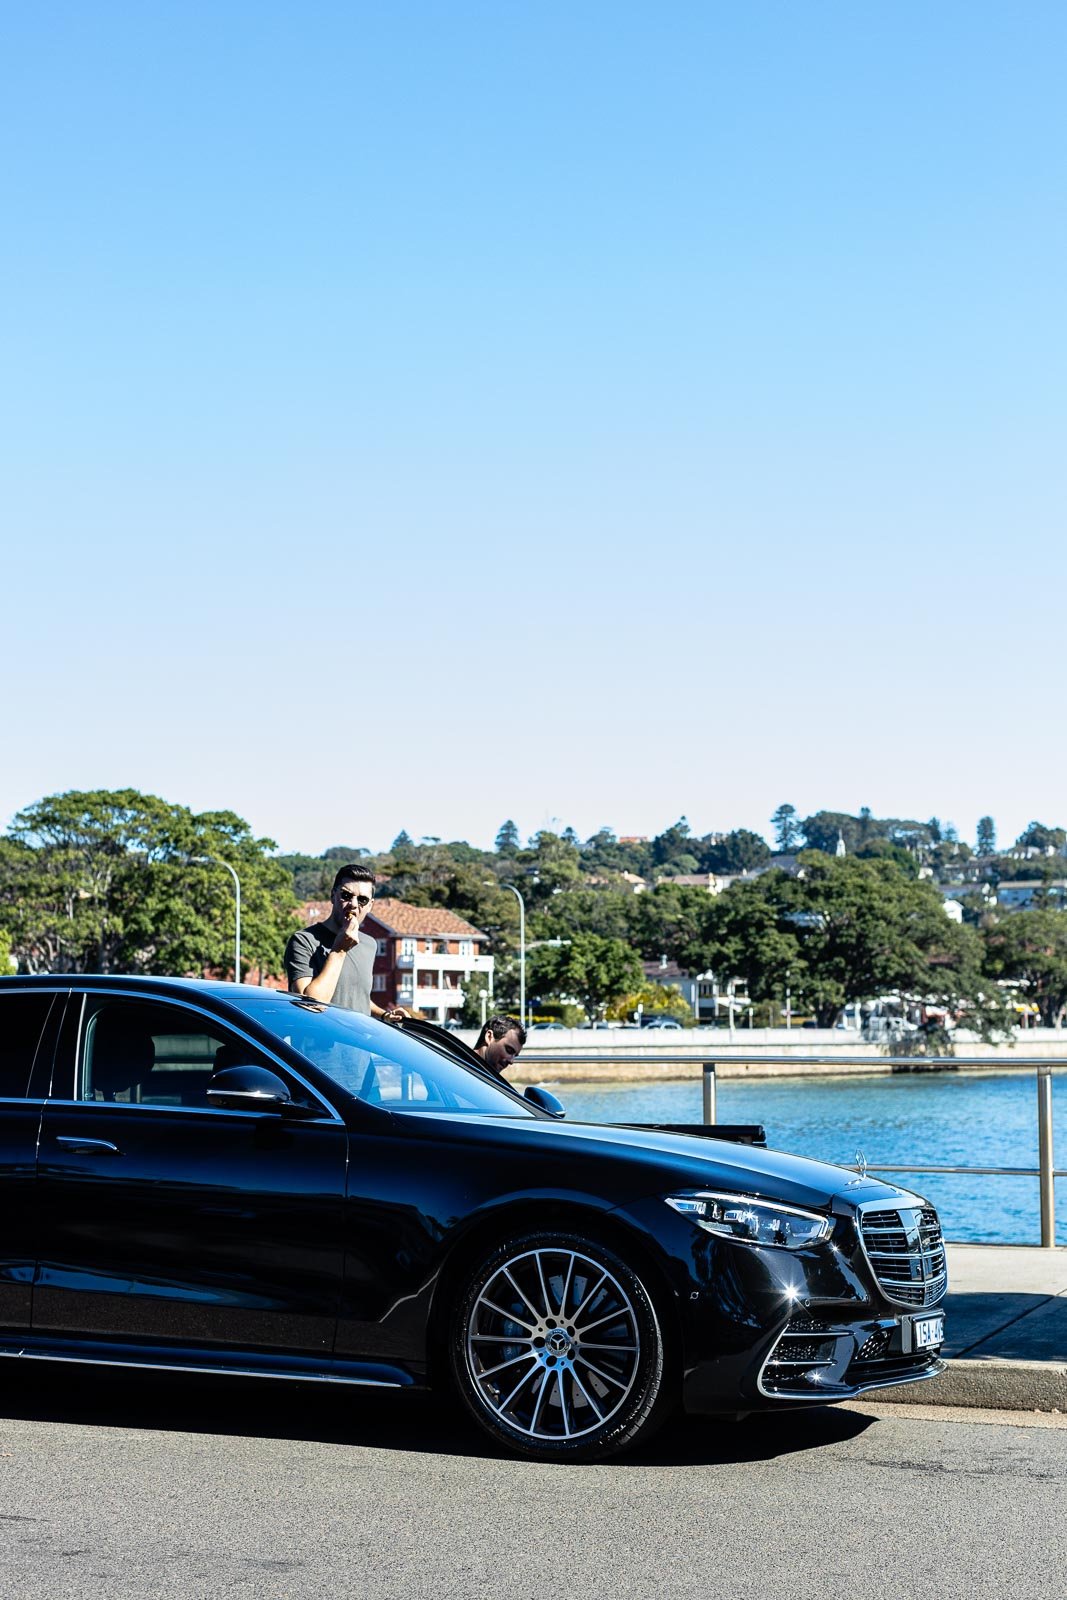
(118, 881)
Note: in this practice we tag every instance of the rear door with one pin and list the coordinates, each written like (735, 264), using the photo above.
(165, 1220)
(28, 1025)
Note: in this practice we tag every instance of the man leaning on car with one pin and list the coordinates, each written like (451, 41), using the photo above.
(333, 961)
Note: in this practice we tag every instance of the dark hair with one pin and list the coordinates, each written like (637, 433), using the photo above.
(353, 873)
(498, 1026)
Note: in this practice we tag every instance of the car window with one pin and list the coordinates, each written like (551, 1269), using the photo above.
(22, 1026)
(152, 1054)
(377, 1063)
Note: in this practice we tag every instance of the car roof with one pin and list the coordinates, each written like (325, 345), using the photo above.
(123, 980)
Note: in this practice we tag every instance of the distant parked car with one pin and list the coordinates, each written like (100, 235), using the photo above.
(660, 1022)
(542, 1027)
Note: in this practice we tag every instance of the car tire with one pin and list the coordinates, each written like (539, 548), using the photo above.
(557, 1351)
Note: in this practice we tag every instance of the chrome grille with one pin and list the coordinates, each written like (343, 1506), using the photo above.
(906, 1250)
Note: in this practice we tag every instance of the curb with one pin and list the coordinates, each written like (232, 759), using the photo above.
(993, 1385)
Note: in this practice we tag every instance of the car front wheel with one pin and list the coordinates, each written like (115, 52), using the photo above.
(557, 1351)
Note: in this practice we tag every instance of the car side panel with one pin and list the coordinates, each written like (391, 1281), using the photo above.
(200, 1226)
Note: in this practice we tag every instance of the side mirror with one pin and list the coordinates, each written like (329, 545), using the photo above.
(543, 1100)
(247, 1089)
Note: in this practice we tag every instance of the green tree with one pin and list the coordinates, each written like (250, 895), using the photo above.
(665, 920)
(1030, 947)
(786, 827)
(742, 934)
(864, 929)
(584, 910)
(683, 866)
(848, 930)
(1039, 837)
(986, 841)
(592, 970)
(947, 858)
(507, 841)
(548, 865)
(472, 894)
(653, 1000)
(311, 875)
(740, 851)
(822, 829)
(672, 842)
(603, 852)
(112, 881)
(886, 850)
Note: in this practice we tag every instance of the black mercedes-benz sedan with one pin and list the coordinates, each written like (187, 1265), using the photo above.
(217, 1178)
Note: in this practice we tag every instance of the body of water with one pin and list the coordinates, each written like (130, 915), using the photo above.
(948, 1119)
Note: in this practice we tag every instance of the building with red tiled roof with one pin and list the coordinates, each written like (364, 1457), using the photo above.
(425, 957)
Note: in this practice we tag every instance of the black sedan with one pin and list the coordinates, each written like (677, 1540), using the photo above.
(211, 1177)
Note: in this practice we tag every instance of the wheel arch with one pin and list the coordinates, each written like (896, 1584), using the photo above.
(523, 1216)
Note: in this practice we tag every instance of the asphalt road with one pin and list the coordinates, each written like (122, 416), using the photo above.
(119, 1486)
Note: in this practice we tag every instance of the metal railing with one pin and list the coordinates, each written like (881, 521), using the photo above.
(1046, 1172)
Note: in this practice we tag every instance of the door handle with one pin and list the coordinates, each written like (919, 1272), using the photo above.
(87, 1146)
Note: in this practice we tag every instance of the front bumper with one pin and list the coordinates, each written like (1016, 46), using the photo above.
(820, 1359)
(815, 1359)
(762, 1327)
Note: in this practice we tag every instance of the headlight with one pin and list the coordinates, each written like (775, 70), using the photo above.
(738, 1216)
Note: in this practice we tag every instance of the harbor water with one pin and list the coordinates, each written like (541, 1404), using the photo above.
(949, 1119)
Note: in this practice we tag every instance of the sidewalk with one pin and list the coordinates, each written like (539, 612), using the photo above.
(1006, 1328)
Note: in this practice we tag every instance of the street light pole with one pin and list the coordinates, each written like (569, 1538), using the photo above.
(522, 950)
(218, 861)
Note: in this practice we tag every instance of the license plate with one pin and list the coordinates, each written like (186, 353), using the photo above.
(926, 1332)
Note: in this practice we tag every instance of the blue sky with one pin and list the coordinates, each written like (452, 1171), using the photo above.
(418, 414)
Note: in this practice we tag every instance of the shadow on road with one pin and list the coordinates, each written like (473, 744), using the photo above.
(365, 1418)
(92, 1397)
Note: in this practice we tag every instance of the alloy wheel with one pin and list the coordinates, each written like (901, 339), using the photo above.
(553, 1344)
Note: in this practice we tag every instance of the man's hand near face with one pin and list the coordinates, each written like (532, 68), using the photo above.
(348, 933)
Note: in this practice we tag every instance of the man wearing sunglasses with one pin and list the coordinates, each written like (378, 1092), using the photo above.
(332, 961)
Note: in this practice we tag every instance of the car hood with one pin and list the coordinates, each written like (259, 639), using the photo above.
(644, 1161)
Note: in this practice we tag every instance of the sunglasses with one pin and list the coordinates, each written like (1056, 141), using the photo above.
(361, 900)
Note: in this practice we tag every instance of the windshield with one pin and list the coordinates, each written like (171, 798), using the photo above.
(373, 1061)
